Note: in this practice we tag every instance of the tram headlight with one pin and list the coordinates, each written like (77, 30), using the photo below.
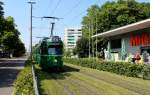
(55, 60)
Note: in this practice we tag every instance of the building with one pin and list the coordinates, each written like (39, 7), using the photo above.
(71, 36)
(126, 42)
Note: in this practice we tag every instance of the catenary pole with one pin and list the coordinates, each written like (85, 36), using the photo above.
(92, 42)
(31, 7)
(89, 40)
(96, 38)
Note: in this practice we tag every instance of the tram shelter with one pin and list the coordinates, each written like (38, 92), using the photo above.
(126, 42)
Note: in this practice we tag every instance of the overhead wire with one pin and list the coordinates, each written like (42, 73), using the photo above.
(90, 34)
(40, 27)
(45, 28)
(55, 8)
(76, 16)
(83, 12)
(49, 5)
(71, 10)
(48, 8)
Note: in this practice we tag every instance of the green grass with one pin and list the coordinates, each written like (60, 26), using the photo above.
(23, 85)
(78, 80)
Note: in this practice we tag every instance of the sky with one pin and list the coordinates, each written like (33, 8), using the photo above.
(72, 12)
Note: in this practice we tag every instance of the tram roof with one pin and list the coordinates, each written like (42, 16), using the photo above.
(125, 29)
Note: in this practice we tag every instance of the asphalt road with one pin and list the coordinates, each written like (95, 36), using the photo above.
(9, 69)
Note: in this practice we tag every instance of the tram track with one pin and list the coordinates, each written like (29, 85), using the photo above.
(78, 85)
(65, 87)
(127, 84)
(86, 81)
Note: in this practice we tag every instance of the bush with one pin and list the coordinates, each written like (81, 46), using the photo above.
(121, 68)
(24, 82)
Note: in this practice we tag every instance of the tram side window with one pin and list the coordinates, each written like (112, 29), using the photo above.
(43, 50)
(115, 44)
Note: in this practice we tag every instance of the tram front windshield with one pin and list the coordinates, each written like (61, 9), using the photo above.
(55, 50)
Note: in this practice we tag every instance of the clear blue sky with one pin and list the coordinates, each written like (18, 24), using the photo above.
(71, 10)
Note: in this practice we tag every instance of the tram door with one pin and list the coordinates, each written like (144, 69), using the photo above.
(146, 54)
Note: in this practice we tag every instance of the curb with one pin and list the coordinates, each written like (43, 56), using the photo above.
(35, 81)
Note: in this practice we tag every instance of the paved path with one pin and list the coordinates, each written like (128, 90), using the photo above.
(9, 69)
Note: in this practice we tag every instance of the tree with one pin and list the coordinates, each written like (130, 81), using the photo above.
(89, 21)
(101, 45)
(13, 44)
(10, 25)
(20, 49)
(1, 17)
(112, 15)
(9, 34)
(1, 9)
(82, 47)
(9, 40)
(115, 14)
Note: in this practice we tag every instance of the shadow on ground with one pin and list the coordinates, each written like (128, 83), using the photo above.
(12, 63)
(61, 75)
(55, 74)
(7, 77)
(69, 69)
(9, 71)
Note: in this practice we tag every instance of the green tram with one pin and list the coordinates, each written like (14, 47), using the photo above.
(48, 53)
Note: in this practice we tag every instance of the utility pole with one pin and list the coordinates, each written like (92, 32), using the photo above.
(31, 4)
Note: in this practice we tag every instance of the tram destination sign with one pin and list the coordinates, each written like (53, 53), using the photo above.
(56, 39)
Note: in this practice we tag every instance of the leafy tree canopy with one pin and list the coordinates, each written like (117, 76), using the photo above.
(10, 41)
(114, 14)
(82, 47)
(9, 34)
(1, 9)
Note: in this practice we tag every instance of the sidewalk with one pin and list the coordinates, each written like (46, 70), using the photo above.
(9, 69)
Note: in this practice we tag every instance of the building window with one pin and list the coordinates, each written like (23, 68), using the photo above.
(115, 44)
(71, 43)
(70, 29)
(70, 36)
(70, 39)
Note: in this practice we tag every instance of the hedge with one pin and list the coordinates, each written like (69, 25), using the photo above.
(121, 68)
(24, 82)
